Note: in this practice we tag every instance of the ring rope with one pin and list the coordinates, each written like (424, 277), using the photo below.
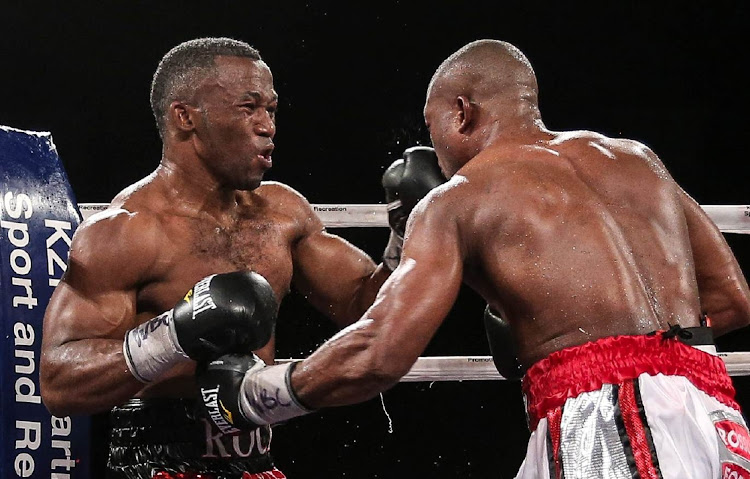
(729, 218)
(482, 368)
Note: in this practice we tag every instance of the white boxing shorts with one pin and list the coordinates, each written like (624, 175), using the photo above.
(629, 407)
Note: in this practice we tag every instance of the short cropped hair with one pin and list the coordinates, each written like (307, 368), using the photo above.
(184, 66)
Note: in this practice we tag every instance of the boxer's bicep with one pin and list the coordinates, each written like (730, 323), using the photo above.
(420, 293)
(96, 297)
(337, 277)
(82, 367)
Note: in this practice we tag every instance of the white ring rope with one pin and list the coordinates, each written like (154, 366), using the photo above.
(729, 218)
(482, 368)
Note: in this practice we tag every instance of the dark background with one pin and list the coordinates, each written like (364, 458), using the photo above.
(352, 82)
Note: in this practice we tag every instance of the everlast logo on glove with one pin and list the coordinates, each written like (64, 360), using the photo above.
(219, 385)
(219, 414)
(202, 300)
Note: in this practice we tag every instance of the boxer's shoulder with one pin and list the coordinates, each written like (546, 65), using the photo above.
(121, 218)
(275, 192)
(469, 184)
(283, 200)
(123, 230)
(114, 233)
(137, 206)
(584, 139)
(446, 203)
(448, 194)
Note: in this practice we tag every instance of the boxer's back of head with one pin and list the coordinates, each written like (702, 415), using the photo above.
(486, 70)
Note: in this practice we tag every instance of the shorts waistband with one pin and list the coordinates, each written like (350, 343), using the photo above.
(155, 421)
(572, 371)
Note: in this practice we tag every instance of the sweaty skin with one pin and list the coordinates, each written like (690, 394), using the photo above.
(571, 236)
(203, 211)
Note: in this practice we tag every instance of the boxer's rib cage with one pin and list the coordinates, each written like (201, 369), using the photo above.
(729, 219)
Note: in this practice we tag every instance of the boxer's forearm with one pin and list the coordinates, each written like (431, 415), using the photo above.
(353, 371)
(374, 353)
(85, 377)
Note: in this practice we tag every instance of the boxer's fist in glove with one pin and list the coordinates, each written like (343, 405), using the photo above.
(223, 313)
(219, 384)
(502, 345)
(239, 392)
(406, 181)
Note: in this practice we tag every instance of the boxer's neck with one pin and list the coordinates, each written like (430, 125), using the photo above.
(196, 189)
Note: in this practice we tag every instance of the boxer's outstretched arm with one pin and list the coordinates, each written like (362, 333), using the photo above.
(372, 354)
(722, 287)
(82, 369)
(335, 276)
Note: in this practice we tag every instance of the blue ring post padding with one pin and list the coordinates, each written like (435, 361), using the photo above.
(38, 214)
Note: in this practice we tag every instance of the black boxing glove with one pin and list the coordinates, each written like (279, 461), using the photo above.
(406, 181)
(223, 313)
(219, 384)
(502, 345)
(239, 393)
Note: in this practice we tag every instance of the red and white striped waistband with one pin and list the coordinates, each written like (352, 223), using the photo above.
(569, 372)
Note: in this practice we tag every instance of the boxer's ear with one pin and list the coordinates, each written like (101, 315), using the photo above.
(183, 116)
(467, 112)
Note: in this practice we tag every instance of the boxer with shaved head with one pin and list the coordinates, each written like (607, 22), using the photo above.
(610, 281)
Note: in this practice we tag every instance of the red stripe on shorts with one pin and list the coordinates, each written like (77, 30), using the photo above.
(554, 426)
(636, 432)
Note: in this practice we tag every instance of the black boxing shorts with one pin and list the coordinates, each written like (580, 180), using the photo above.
(169, 439)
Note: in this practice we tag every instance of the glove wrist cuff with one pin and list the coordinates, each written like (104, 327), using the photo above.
(151, 349)
(266, 395)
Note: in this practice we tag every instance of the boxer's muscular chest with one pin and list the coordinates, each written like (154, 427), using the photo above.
(191, 249)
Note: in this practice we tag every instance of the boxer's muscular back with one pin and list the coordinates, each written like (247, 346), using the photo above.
(578, 238)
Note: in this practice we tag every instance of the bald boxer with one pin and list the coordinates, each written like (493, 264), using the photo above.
(601, 265)
(187, 264)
